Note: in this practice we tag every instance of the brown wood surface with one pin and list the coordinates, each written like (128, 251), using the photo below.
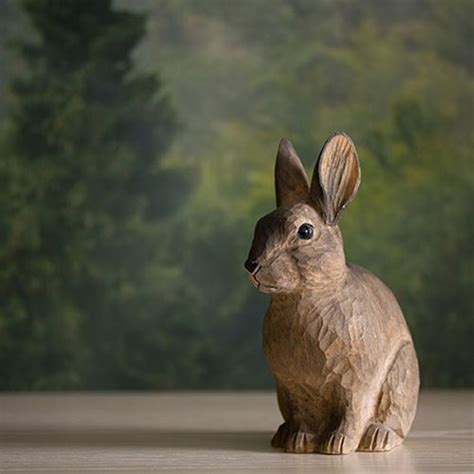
(334, 336)
(208, 433)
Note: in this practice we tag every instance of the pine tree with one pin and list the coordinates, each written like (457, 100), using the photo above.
(81, 195)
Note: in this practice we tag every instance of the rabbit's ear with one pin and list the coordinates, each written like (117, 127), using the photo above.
(291, 182)
(336, 177)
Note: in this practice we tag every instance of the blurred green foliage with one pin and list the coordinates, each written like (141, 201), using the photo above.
(127, 203)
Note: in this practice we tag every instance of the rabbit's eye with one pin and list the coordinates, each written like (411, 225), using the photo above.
(305, 231)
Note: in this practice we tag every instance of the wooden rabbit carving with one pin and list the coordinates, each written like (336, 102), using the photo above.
(334, 335)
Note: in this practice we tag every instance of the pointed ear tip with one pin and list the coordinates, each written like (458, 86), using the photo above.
(284, 144)
(285, 148)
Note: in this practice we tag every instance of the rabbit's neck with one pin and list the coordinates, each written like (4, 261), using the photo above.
(320, 292)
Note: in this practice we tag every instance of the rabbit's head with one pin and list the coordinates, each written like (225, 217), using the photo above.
(299, 246)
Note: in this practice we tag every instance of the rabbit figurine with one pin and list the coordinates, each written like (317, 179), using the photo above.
(334, 336)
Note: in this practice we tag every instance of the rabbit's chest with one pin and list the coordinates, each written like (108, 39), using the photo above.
(313, 345)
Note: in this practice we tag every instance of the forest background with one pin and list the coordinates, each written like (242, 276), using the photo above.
(137, 145)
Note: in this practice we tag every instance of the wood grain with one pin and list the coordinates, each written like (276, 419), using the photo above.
(207, 433)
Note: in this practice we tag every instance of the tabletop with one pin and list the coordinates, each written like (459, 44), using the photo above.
(197, 432)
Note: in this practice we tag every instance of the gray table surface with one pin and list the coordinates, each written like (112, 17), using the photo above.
(207, 433)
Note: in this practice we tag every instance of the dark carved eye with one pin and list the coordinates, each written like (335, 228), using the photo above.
(305, 231)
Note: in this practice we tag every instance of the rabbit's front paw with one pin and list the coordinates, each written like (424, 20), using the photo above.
(379, 437)
(300, 442)
(338, 443)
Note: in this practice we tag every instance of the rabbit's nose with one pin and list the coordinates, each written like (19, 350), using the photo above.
(251, 266)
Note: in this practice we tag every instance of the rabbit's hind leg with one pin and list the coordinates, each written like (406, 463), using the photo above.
(284, 430)
(282, 434)
(397, 404)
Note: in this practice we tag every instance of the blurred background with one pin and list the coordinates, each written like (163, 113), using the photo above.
(137, 145)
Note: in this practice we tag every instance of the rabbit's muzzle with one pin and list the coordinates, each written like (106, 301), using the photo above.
(269, 264)
(270, 275)
(252, 268)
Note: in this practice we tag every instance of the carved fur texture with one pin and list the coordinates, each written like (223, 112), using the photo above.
(334, 335)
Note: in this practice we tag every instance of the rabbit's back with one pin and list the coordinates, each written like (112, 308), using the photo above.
(376, 308)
